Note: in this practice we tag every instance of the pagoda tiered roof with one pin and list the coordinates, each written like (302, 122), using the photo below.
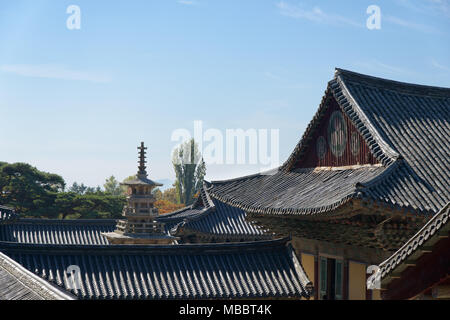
(141, 181)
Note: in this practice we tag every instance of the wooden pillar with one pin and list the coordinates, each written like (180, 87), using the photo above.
(346, 281)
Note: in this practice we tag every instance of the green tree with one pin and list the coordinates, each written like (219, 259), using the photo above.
(190, 170)
(112, 186)
(171, 195)
(78, 188)
(157, 194)
(27, 189)
(88, 206)
(82, 189)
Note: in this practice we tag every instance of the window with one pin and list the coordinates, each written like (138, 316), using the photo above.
(339, 272)
(331, 279)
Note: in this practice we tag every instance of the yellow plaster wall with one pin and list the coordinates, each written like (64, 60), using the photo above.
(308, 266)
(357, 281)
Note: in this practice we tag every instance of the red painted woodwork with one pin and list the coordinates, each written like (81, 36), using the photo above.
(310, 158)
(430, 269)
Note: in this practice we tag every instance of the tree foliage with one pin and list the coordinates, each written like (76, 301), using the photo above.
(87, 206)
(190, 170)
(38, 194)
(112, 186)
(34, 193)
(165, 206)
(82, 189)
(27, 189)
(157, 193)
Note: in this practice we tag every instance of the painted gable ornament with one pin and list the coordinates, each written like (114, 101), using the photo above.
(355, 144)
(337, 134)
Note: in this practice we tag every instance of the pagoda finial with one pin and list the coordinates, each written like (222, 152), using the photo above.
(142, 173)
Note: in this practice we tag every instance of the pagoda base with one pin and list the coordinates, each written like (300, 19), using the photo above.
(118, 237)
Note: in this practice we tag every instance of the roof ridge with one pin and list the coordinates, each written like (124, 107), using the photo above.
(140, 249)
(345, 100)
(379, 178)
(406, 86)
(65, 221)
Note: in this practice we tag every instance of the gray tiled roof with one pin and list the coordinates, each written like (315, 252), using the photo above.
(439, 223)
(141, 181)
(175, 219)
(17, 283)
(407, 128)
(7, 214)
(305, 191)
(414, 122)
(224, 220)
(209, 216)
(41, 231)
(207, 271)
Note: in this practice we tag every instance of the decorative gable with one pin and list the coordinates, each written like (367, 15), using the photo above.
(335, 142)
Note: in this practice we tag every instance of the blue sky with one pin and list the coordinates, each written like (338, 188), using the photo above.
(78, 102)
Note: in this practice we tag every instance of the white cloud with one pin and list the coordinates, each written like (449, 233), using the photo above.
(437, 65)
(380, 67)
(188, 2)
(410, 25)
(52, 71)
(440, 7)
(272, 76)
(314, 14)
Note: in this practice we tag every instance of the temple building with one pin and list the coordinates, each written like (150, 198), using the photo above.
(372, 168)
(139, 257)
(366, 189)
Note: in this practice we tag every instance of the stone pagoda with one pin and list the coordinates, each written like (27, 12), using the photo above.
(139, 225)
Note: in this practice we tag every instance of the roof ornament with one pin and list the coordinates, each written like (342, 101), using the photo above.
(142, 173)
(139, 224)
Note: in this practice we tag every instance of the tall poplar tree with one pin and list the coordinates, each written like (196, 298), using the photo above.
(190, 170)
